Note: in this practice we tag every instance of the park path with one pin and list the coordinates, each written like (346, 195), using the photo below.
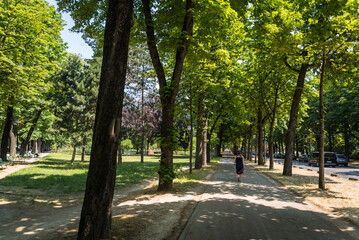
(256, 208)
(17, 166)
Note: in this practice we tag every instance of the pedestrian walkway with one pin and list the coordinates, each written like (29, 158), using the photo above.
(256, 208)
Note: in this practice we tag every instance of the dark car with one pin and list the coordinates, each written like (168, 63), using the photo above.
(342, 160)
(330, 159)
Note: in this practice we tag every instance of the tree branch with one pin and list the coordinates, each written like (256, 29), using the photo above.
(152, 45)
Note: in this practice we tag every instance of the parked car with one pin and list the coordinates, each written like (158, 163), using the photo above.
(330, 159)
(341, 159)
(304, 158)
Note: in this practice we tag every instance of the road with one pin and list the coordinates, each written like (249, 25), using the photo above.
(344, 172)
(256, 208)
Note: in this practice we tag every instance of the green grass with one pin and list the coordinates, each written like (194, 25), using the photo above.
(53, 174)
(185, 179)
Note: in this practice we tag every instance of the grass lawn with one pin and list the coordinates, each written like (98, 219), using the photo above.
(340, 197)
(53, 174)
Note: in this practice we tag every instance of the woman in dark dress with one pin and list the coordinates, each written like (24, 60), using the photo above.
(239, 162)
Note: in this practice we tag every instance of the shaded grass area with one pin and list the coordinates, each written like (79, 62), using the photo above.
(341, 195)
(185, 179)
(54, 174)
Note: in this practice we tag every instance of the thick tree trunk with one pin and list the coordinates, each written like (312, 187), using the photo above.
(12, 142)
(260, 137)
(73, 154)
(168, 90)
(29, 133)
(96, 214)
(289, 140)
(6, 132)
(321, 125)
(34, 146)
(39, 144)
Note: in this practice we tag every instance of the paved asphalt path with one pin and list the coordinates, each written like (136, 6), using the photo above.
(256, 208)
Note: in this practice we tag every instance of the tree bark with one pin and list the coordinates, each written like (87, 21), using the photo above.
(34, 146)
(12, 142)
(205, 143)
(142, 120)
(168, 91)
(271, 130)
(208, 154)
(321, 125)
(191, 129)
(119, 153)
(73, 154)
(6, 132)
(29, 133)
(260, 137)
(83, 148)
(289, 140)
(200, 133)
(346, 139)
(96, 214)
(220, 137)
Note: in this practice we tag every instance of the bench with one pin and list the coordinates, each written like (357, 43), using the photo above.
(3, 164)
(12, 161)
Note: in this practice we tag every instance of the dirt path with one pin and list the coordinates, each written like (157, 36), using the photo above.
(20, 165)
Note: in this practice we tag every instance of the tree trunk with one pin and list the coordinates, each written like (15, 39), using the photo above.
(191, 129)
(321, 125)
(289, 140)
(220, 137)
(96, 214)
(6, 132)
(119, 153)
(73, 154)
(83, 149)
(346, 139)
(34, 146)
(168, 90)
(29, 133)
(39, 144)
(12, 142)
(205, 131)
(260, 137)
(142, 120)
(208, 147)
(251, 145)
(264, 145)
(256, 151)
(271, 141)
(200, 133)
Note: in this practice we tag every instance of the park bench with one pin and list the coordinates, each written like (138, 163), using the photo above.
(3, 164)
(12, 161)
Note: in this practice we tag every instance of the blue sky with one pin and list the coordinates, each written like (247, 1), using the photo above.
(74, 41)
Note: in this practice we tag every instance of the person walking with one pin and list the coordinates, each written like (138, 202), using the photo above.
(239, 162)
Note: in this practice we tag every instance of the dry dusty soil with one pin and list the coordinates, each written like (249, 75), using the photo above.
(138, 213)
